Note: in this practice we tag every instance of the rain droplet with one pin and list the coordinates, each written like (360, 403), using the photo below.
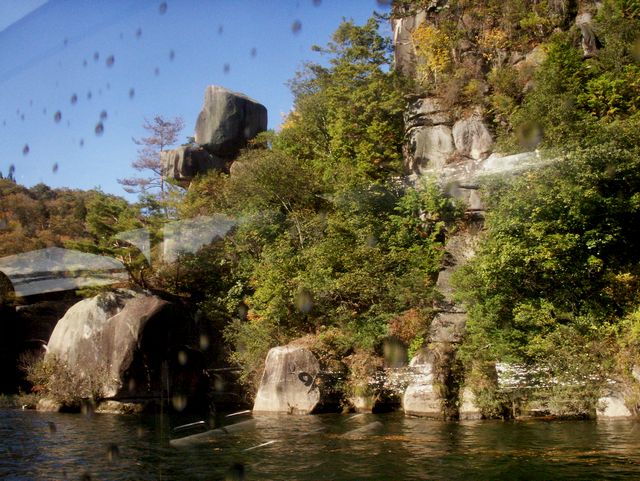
(89, 95)
(52, 427)
(99, 130)
(132, 93)
(172, 55)
(121, 36)
(96, 56)
(44, 111)
(162, 9)
(110, 61)
(85, 477)
(204, 342)
(58, 116)
(103, 115)
(22, 117)
(113, 453)
(74, 99)
(182, 358)
(54, 168)
(138, 33)
(132, 385)
(226, 68)
(108, 86)
(84, 63)
(25, 149)
(384, 3)
(304, 302)
(68, 123)
(31, 103)
(179, 402)
(65, 42)
(156, 71)
(81, 142)
(254, 52)
(12, 169)
(220, 29)
(296, 27)
(317, 3)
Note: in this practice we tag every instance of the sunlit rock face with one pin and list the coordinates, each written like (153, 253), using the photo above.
(228, 120)
(288, 382)
(129, 345)
(183, 163)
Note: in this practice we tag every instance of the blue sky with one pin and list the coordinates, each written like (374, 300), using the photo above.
(121, 61)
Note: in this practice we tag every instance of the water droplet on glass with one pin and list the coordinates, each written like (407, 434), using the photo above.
(84, 63)
(12, 169)
(156, 71)
(99, 130)
(65, 42)
(22, 117)
(162, 9)
(81, 142)
(108, 86)
(226, 68)
(384, 3)
(317, 3)
(31, 103)
(58, 116)
(74, 99)
(132, 93)
(296, 26)
(132, 385)
(220, 29)
(113, 453)
(304, 302)
(139, 432)
(103, 115)
(44, 111)
(182, 358)
(121, 36)
(172, 55)
(96, 56)
(54, 169)
(89, 95)
(25, 149)
(110, 61)
(85, 477)
(204, 342)
(68, 123)
(254, 52)
(179, 402)
(243, 311)
(52, 427)
(138, 33)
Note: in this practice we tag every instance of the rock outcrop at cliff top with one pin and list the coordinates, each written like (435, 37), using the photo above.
(227, 122)
(288, 382)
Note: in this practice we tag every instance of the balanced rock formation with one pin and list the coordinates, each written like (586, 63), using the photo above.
(227, 122)
(183, 163)
(288, 384)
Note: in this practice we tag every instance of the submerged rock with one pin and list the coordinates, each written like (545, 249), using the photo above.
(288, 382)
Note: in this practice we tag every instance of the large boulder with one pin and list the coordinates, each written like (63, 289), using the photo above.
(421, 398)
(472, 138)
(127, 345)
(228, 120)
(288, 384)
(187, 161)
(430, 148)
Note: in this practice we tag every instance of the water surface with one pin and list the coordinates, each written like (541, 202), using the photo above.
(328, 447)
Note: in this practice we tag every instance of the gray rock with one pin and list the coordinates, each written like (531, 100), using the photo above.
(448, 327)
(469, 410)
(420, 398)
(430, 148)
(426, 111)
(228, 120)
(405, 56)
(184, 163)
(613, 406)
(126, 346)
(472, 138)
(288, 382)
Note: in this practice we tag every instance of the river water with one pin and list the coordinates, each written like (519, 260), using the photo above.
(327, 447)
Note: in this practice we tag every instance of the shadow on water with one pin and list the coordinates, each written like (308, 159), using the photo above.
(332, 447)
